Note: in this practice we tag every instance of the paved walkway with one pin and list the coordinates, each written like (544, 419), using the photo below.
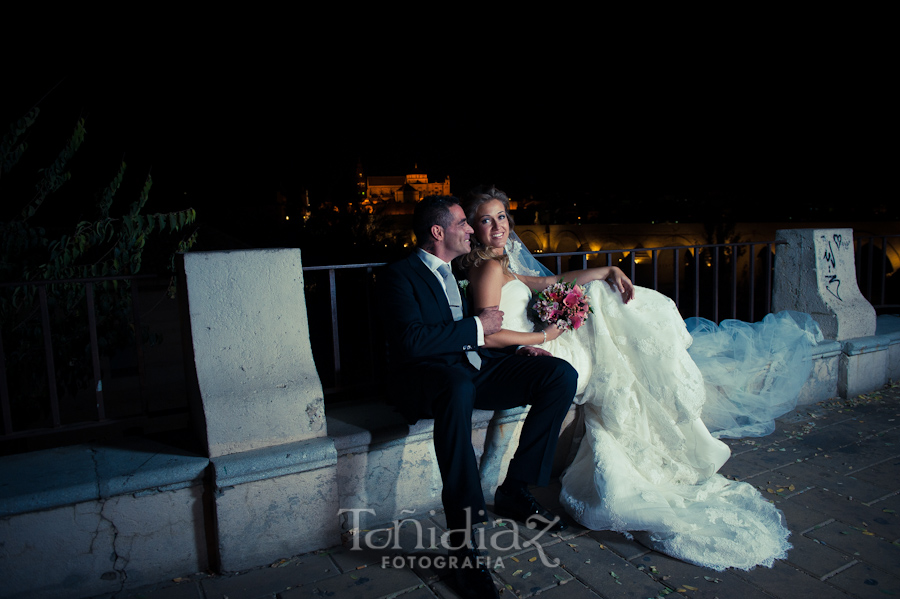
(833, 468)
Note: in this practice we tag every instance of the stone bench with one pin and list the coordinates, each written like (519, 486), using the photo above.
(388, 466)
(84, 519)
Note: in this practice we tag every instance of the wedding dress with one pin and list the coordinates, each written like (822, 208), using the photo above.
(647, 464)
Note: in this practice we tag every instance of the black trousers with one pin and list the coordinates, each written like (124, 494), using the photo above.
(547, 384)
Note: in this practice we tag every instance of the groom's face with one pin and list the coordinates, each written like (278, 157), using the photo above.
(456, 234)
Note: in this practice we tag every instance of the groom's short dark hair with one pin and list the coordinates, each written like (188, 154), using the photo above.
(432, 210)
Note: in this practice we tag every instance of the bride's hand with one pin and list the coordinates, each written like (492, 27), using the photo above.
(621, 283)
(553, 332)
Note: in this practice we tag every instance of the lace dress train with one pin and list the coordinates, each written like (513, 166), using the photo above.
(647, 465)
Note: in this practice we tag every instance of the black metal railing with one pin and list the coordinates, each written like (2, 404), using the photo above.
(714, 258)
(27, 414)
(874, 269)
(703, 280)
(730, 280)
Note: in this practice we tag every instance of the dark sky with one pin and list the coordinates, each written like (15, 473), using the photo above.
(224, 128)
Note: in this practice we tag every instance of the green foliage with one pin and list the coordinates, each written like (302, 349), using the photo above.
(106, 246)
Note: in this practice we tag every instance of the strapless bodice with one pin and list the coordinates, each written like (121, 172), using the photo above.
(514, 299)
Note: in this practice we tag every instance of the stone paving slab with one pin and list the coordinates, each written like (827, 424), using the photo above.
(851, 512)
(855, 543)
(528, 575)
(815, 558)
(785, 581)
(604, 572)
(850, 485)
(800, 519)
(865, 582)
(693, 581)
(884, 474)
(842, 458)
(266, 582)
(364, 583)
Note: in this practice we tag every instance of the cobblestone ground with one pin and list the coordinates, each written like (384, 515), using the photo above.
(833, 468)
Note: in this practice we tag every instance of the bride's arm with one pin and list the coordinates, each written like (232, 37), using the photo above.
(611, 274)
(485, 283)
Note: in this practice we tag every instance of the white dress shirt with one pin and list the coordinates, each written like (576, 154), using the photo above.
(433, 263)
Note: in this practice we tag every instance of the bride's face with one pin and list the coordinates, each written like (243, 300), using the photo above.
(492, 225)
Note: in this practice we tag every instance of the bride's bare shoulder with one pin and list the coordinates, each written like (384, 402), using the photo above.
(489, 272)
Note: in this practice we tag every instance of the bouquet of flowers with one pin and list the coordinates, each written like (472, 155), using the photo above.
(563, 304)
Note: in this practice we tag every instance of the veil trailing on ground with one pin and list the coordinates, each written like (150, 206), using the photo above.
(753, 372)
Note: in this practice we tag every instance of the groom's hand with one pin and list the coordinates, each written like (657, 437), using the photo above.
(491, 320)
(530, 350)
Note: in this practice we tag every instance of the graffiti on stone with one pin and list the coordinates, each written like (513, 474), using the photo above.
(829, 272)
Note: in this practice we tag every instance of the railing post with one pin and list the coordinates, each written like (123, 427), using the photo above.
(768, 278)
(697, 281)
(734, 258)
(139, 346)
(95, 351)
(752, 279)
(4, 392)
(48, 353)
(716, 284)
(335, 338)
(881, 274)
(677, 269)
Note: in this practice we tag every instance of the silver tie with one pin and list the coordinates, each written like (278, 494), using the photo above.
(452, 288)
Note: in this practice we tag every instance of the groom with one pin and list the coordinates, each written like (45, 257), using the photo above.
(442, 372)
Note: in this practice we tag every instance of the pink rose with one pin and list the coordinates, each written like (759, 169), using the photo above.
(572, 298)
(577, 320)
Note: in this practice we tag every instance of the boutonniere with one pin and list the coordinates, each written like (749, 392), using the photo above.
(463, 286)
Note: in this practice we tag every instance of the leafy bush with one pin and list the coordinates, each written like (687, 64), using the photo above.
(106, 246)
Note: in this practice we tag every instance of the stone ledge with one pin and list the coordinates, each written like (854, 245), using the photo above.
(889, 326)
(826, 349)
(69, 475)
(866, 345)
(358, 426)
(271, 462)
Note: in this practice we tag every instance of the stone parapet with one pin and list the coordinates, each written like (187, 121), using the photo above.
(388, 466)
(274, 465)
(823, 379)
(250, 337)
(815, 273)
(105, 518)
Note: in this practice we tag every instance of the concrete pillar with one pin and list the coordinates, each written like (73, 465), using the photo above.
(815, 273)
(275, 468)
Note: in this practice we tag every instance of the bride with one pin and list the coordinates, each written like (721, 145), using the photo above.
(647, 464)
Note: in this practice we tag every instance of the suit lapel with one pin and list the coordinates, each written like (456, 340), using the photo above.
(440, 296)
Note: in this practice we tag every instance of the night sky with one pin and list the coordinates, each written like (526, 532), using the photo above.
(222, 129)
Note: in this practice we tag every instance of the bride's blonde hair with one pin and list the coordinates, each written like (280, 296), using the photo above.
(479, 254)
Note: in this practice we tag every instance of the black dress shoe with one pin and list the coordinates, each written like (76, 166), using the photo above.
(522, 506)
(473, 579)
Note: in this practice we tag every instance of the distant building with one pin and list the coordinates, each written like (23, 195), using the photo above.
(397, 194)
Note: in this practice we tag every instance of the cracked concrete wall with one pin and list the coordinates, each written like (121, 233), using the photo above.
(102, 546)
(861, 373)
(390, 479)
(263, 520)
(822, 382)
(254, 362)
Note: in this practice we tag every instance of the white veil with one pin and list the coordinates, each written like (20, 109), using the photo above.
(521, 261)
(753, 372)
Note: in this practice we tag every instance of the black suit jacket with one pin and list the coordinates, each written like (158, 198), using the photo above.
(422, 334)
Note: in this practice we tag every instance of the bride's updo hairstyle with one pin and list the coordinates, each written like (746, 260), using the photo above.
(470, 204)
